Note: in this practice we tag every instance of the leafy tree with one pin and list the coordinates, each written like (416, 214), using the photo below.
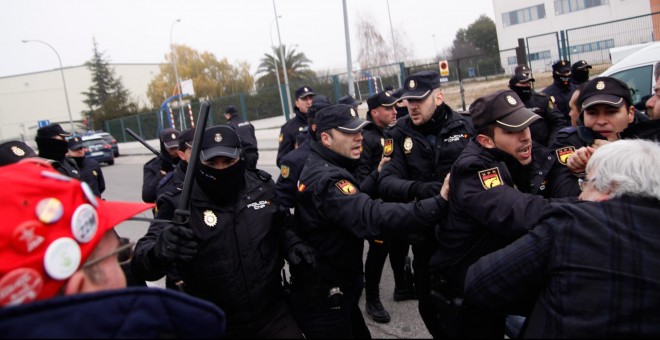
(479, 38)
(211, 77)
(297, 67)
(106, 98)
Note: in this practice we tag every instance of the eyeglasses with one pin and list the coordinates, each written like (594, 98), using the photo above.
(582, 181)
(117, 250)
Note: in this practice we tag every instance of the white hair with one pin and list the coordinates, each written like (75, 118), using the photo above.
(627, 167)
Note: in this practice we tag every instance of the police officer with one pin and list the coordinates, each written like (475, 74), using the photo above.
(14, 151)
(561, 88)
(292, 163)
(246, 132)
(376, 152)
(53, 146)
(229, 251)
(544, 131)
(349, 100)
(156, 168)
(296, 125)
(499, 187)
(426, 142)
(90, 170)
(580, 72)
(172, 183)
(334, 217)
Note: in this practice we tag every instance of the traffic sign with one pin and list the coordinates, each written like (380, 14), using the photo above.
(444, 68)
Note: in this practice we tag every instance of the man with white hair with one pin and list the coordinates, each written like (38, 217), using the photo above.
(589, 269)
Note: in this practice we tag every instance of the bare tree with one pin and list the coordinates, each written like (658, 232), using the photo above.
(374, 49)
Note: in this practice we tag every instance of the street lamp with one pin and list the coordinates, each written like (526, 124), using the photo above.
(435, 52)
(66, 95)
(277, 73)
(182, 117)
(286, 78)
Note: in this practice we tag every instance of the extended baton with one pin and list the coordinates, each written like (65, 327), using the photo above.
(142, 141)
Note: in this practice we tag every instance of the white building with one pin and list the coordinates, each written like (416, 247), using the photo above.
(541, 23)
(28, 98)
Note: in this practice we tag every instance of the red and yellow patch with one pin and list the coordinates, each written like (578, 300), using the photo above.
(284, 170)
(388, 147)
(281, 137)
(346, 187)
(301, 187)
(490, 178)
(563, 154)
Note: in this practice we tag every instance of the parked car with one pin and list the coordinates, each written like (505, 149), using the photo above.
(637, 71)
(108, 138)
(98, 149)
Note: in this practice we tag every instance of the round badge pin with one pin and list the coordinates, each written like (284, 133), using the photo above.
(62, 258)
(84, 223)
(49, 210)
(21, 285)
(28, 236)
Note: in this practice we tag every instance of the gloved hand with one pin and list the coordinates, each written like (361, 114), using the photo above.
(302, 254)
(176, 243)
(421, 190)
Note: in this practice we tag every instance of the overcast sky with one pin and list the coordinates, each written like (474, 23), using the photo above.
(138, 31)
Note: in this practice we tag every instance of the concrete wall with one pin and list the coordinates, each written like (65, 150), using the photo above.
(28, 98)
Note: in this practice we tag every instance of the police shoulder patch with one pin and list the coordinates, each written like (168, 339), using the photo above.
(346, 187)
(284, 170)
(281, 137)
(563, 154)
(490, 178)
(388, 147)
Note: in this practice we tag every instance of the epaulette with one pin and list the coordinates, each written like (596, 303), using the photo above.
(243, 124)
(263, 175)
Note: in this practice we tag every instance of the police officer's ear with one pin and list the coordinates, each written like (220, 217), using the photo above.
(326, 138)
(438, 96)
(485, 141)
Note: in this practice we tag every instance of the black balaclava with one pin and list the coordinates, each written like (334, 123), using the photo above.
(524, 92)
(51, 148)
(580, 76)
(563, 81)
(222, 186)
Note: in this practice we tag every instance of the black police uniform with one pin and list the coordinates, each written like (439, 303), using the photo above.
(239, 260)
(559, 93)
(494, 201)
(91, 173)
(291, 166)
(288, 134)
(423, 155)
(334, 217)
(248, 139)
(544, 131)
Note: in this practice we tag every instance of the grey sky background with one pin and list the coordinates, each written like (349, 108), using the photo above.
(138, 31)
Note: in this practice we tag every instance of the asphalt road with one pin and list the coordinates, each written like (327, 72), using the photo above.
(124, 182)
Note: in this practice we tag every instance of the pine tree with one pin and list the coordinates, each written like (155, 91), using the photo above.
(106, 98)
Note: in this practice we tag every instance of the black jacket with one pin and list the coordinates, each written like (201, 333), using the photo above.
(544, 131)
(288, 134)
(291, 166)
(240, 254)
(494, 200)
(420, 158)
(248, 139)
(560, 96)
(334, 216)
(90, 173)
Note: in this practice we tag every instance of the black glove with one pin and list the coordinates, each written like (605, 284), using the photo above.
(176, 243)
(302, 254)
(421, 190)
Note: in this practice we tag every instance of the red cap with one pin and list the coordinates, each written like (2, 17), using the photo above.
(51, 224)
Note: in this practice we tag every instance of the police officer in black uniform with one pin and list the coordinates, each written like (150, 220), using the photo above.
(246, 132)
(426, 142)
(349, 100)
(90, 170)
(292, 163)
(544, 131)
(499, 187)
(334, 217)
(53, 146)
(14, 151)
(561, 88)
(297, 124)
(230, 251)
(172, 183)
(156, 168)
(580, 72)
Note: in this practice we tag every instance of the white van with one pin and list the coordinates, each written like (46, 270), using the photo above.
(637, 71)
